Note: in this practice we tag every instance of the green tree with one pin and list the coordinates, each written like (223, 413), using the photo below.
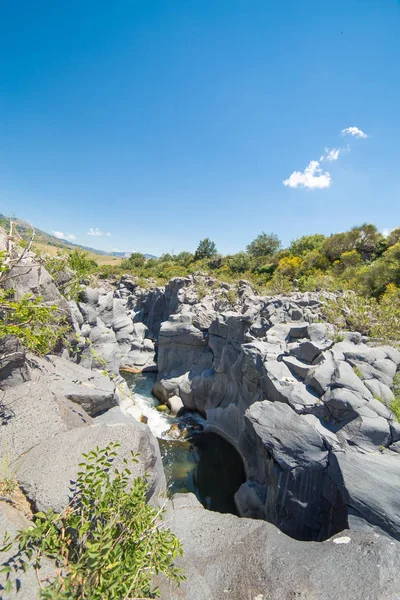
(136, 260)
(367, 240)
(80, 262)
(265, 244)
(306, 243)
(239, 263)
(205, 249)
(394, 237)
(338, 243)
(184, 258)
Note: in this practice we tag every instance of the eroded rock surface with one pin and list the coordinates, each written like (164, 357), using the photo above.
(273, 380)
(228, 557)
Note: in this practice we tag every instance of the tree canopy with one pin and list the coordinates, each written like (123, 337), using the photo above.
(265, 244)
(205, 249)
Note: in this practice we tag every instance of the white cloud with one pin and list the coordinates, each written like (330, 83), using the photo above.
(312, 177)
(331, 155)
(95, 231)
(108, 234)
(115, 250)
(354, 131)
(386, 232)
(62, 236)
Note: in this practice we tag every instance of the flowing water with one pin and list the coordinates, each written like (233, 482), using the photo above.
(206, 464)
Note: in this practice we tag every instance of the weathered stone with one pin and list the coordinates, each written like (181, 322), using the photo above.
(224, 556)
(14, 368)
(48, 470)
(366, 483)
(37, 413)
(175, 405)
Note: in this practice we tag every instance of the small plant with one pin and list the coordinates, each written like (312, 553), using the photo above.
(338, 337)
(232, 296)
(357, 371)
(107, 544)
(395, 404)
(8, 480)
(201, 291)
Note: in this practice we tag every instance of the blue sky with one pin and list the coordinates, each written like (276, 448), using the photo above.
(163, 122)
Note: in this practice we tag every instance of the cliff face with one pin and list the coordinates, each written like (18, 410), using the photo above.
(321, 452)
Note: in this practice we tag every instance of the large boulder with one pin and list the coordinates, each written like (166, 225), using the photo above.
(30, 277)
(93, 391)
(48, 471)
(368, 484)
(36, 413)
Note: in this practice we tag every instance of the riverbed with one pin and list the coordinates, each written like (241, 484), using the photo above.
(205, 464)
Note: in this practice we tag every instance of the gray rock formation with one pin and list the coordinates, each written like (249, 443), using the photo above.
(272, 381)
(48, 471)
(228, 557)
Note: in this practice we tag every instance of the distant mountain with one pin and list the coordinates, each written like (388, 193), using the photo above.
(41, 237)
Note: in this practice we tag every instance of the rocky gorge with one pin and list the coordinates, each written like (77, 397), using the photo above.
(308, 411)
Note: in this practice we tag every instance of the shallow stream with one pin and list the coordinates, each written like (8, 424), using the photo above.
(205, 464)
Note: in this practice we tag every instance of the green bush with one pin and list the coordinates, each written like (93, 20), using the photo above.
(306, 243)
(80, 262)
(265, 244)
(205, 249)
(108, 543)
(377, 319)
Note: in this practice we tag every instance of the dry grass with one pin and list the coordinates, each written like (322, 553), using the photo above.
(105, 259)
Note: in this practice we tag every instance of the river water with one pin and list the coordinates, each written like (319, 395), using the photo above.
(205, 464)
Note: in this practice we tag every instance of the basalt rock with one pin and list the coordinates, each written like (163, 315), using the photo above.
(261, 370)
(224, 556)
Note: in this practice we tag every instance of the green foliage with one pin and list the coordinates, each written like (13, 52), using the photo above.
(395, 404)
(55, 264)
(80, 262)
(135, 260)
(108, 543)
(37, 325)
(239, 263)
(394, 237)
(279, 284)
(205, 249)
(357, 371)
(201, 291)
(338, 243)
(306, 243)
(232, 296)
(265, 244)
(377, 319)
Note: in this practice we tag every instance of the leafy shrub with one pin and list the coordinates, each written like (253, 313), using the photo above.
(314, 261)
(265, 244)
(380, 320)
(36, 325)
(279, 284)
(239, 263)
(80, 262)
(107, 544)
(395, 404)
(306, 243)
(289, 266)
